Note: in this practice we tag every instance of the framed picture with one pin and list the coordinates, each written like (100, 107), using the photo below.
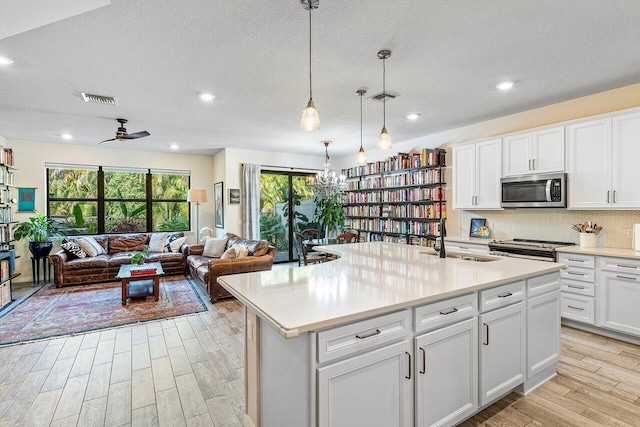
(26, 199)
(234, 196)
(475, 224)
(218, 204)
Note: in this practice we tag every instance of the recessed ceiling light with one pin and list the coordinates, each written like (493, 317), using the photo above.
(413, 116)
(506, 85)
(66, 136)
(206, 97)
(5, 61)
(174, 146)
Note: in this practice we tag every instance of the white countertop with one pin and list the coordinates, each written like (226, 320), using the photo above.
(467, 239)
(601, 251)
(368, 279)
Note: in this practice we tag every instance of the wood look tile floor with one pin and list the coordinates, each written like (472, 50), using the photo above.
(188, 371)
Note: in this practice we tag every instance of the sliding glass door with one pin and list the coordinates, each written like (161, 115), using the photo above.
(286, 206)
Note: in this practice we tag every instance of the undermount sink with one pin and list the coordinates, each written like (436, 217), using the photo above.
(464, 257)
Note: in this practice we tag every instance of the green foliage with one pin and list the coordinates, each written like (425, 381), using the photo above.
(38, 229)
(272, 230)
(329, 212)
(135, 258)
(179, 223)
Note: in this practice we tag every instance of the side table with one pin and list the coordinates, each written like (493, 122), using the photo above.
(46, 269)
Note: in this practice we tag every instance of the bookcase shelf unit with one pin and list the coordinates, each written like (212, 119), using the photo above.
(7, 250)
(398, 200)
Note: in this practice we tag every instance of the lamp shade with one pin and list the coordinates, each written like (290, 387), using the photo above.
(197, 196)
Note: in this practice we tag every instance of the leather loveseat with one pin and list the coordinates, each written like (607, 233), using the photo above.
(206, 270)
(119, 250)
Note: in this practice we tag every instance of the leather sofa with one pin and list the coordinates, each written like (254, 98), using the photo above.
(119, 249)
(206, 270)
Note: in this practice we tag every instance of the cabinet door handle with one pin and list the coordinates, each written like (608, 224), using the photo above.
(576, 274)
(529, 164)
(625, 277)
(372, 334)
(453, 310)
(608, 196)
(408, 376)
(534, 164)
(486, 334)
(424, 361)
(626, 266)
(575, 287)
(614, 196)
(505, 295)
(576, 308)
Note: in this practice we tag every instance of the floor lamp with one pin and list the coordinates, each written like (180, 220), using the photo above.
(197, 197)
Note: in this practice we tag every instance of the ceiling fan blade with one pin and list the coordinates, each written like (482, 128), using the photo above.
(106, 140)
(138, 135)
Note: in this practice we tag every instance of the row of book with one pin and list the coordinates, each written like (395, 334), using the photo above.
(6, 177)
(431, 211)
(425, 157)
(6, 156)
(403, 195)
(142, 270)
(395, 226)
(5, 233)
(6, 215)
(409, 240)
(5, 195)
(5, 272)
(419, 177)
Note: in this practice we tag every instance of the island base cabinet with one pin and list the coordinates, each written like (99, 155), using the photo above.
(543, 333)
(446, 369)
(618, 302)
(373, 389)
(502, 351)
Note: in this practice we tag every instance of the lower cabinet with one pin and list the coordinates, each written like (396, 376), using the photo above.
(446, 371)
(543, 332)
(373, 389)
(618, 302)
(502, 351)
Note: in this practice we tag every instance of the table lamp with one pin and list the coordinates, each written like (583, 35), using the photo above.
(197, 197)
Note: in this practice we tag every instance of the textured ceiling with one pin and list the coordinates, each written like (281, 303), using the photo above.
(156, 57)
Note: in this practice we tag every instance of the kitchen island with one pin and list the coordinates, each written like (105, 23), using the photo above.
(391, 334)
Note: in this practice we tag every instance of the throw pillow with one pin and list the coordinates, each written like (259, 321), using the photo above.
(237, 251)
(157, 242)
(90, 246)
(214, 248)
(73, 250)
(173, 243)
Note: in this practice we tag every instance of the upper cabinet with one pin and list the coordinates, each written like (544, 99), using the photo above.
(476, 175)
(540, 151)
(602, 163)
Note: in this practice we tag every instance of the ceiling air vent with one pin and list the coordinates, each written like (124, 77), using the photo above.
(381, 95)
(99, 99)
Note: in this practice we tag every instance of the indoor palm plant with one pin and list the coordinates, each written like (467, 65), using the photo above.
(330, 213)
(39, 230)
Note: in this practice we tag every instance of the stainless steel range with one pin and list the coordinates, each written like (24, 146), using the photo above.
(539, 250)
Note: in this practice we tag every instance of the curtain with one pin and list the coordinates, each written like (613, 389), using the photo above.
(251, 201)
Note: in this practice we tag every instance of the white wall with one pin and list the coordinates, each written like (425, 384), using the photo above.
(30, 158)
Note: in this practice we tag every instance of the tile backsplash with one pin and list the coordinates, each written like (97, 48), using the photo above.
(553, 224)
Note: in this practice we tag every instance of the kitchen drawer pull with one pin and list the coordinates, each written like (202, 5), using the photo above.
(576, 274)
(453, 310)
(626, 266)
(462, 247)
(508, 294)
(575, 287)
(575, 260)
(424, 361)
(486, 334)
(372, 334)
(576, 308)
(625, 277)
(408, 376)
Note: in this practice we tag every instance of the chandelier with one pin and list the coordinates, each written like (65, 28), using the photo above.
(327, 183)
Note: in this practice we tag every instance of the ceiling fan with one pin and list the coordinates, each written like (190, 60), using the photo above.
(122, 134)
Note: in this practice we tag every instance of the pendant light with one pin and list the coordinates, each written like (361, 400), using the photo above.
(384, 140)
(362, 156)
(310, 119)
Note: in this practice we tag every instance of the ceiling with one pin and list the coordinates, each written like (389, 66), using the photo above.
(447, 56)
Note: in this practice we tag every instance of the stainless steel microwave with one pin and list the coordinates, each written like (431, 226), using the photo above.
(535, 191)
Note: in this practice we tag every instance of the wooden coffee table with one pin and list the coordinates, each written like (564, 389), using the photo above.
(142, 285)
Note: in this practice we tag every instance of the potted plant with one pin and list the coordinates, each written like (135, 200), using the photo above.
(140, 257)
(39, 230)
(330, 213)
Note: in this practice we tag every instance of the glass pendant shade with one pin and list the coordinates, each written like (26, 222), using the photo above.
(362, 156)
(384, 140)
(310, 119)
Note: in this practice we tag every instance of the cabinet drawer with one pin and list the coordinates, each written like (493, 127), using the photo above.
(501, 296)
(576, 260)
(363, 335)
(619, 265)
(543, 285)
(578, 307)
(443, 313)
(467, 248)
(575, 273)
(576, 287)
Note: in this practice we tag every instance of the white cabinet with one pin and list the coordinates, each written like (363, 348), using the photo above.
(603, 163)
(541, 151)
(578, 287)
(476, 175)
(373, 389)
(502, 351)
(446, 369)
(543, 332)
(618, 302)
(468, 248)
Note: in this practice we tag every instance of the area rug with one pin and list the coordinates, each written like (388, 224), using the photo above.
(55, 311)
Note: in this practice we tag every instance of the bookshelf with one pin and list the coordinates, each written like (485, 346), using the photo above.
(7, 251)
(400, 199)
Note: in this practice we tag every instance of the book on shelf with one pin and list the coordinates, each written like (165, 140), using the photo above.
(6, 156)
(5, 273)
(142, 270)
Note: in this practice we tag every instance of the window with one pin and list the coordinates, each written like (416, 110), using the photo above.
(92, 200)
